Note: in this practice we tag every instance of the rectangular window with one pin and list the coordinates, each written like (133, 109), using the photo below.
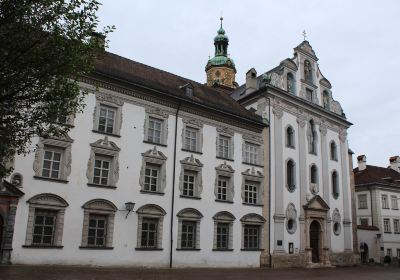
(251, 237)
(101, 171)
(385, 202)
(395, 205)
(386, 225)
(188, 237)
(154, 130)
(51, 163)
(364, 222)
(362, 201)
(97, 230)
(396, 226)
(151, 178)
(251, 153)
(149, 233)
(389, 252)
(189, 180)
(398, 253)
(223, 147)
(223, 183)
(106, 119)
(191, 138)
(250, 193)
(222, 236)
(44, 227)
(309, 95)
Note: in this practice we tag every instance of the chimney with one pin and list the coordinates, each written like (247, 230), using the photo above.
(251, 80)
(395, 163)
(362, 162)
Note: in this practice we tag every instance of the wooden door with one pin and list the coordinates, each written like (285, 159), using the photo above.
(314, 241)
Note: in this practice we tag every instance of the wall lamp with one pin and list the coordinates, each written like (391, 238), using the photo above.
(129, 207)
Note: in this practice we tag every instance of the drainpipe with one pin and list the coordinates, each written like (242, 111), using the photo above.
(173, 188)
(269, 181)
(372, 213)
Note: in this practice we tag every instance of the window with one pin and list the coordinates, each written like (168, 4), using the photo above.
(224, 147)
(291, 218)
(190, 183)
(189, 229)
(364, 221)
(107, 114)
(251, 152)
(291, 83)
(98, 224)
(251, 231)
(386, 226)
(290, 137)
(153, 174)
(309, 95)
(333, 150)
(312, 138)
(53, 159)
(103, 164)
(223, 225)
(314, 174)
(44, 227)
(395, 205)
(154, 130)
(45, 221)
(101, 170)
(192, 135)
(290, 176)
(150, 226)
(389, 252)
(252, 191)
(224, 183)
(362, 201)
(385, 202)
(97, 230)
(335, 184)
(106, 119)
(396, 226)
(398, 253)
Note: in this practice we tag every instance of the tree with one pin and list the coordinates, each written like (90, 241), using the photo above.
(45, 46)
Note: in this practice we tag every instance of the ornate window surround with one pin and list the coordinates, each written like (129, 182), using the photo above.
(46, 201)
(336, 219)
(102, 207)
(291, 215)
(227, 218)
(151, 211)
(104, 147)
(193, 215)
(228, 133)
(103, 99)
(257, 177)
(256, 220)
(159, 114)
(157, 158)
(314, 187)
(195, 124)
(227, 171)
(253, 140)
(63, 144)
(335, 189)
(293, 175)
(194, 165)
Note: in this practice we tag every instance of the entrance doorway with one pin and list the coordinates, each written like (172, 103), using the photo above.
(364, 252)
(314, 241)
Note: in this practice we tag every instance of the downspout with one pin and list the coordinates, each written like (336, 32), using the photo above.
(269, 181)
(372, 214)
(173, 188)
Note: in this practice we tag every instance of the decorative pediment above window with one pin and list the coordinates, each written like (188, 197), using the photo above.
(151, 210)
(48, 199)
(153, 153)
(316, 203)
(289, 64)
(189, 213)
(225, 168)
(253, 174)
(103, 97)
(157, 112)
(193, 122)
(252, 218)
(225, 130)
(224, 216)
(105, 144)
(101, 205)
(253, 138)
(191, 161)
(324, 82)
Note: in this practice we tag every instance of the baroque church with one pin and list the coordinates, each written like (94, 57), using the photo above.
(163, 171)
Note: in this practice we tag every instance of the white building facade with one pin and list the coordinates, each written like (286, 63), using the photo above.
(378, 215)
(310, 206)
(189, 157)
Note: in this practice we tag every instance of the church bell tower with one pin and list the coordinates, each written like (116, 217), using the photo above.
(221, 69)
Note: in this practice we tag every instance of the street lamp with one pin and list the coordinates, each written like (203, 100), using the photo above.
(129, 207)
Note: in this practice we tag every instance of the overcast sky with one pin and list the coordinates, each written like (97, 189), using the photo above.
(357, 43)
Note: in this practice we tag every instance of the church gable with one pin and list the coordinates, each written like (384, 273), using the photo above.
(316, 203)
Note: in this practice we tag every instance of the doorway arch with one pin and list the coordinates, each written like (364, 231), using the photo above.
(315, 238)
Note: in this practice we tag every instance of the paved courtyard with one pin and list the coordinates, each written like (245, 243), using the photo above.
(91, 273)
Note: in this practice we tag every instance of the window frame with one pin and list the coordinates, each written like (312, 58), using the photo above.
(151, 212)
(394, 202)
(255, 221)
(196, 126)
(104, 100)
(396, 225)
(225, 172)
(161, 115)
(385, 201)
(291, 175)
(257, 179)
(335, 184)
(386, 226)
(290, 137)
(186, 216)
(333, 151)
(361, 203)
(157, 159)
(192, 166)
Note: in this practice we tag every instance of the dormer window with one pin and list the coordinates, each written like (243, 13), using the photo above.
(188, 88)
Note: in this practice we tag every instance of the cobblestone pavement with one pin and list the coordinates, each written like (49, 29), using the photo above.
(96, 273)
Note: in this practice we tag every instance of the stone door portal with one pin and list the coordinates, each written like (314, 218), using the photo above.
(314, 241)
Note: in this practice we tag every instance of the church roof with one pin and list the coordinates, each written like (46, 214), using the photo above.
(170, 85)
(377, 175)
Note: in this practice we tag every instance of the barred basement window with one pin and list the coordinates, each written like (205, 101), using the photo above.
(188, 236)
(251, 237)
(97, 230)
(44, 227)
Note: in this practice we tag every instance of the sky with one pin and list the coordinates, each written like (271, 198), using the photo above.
(357, 43)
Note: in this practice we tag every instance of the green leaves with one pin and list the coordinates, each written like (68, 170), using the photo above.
(45, 45)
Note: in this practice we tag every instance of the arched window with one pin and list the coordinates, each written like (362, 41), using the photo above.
(314, 174)
(335, 185)
(290, 83)
(333, 151)
(312, 138)
(290, 137)
(325, 99)
(307, 71)
(290, 175)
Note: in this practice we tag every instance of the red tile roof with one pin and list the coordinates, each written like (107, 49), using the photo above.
(376, 174)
